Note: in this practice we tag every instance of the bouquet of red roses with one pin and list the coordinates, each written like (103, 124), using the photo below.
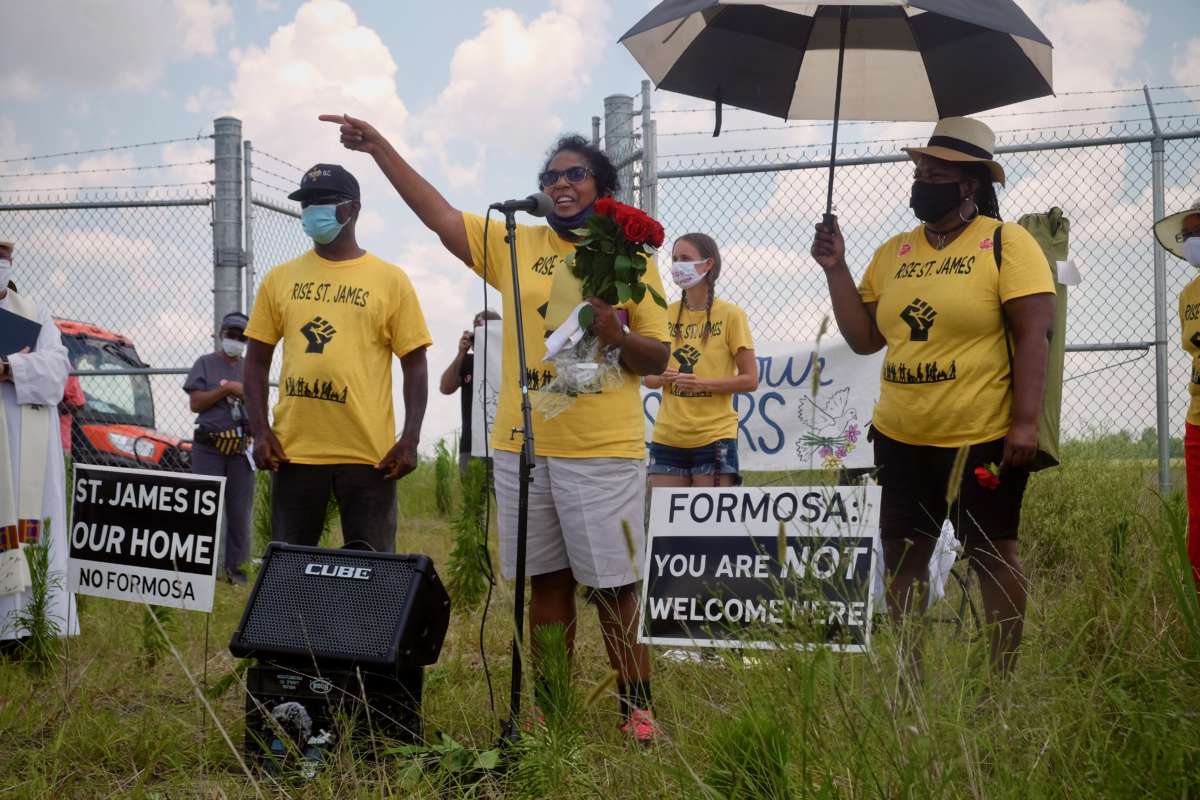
(611, 255)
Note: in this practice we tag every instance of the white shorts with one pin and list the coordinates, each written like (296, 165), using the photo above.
(576, 507)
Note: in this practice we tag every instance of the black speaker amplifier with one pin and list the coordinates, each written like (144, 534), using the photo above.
(314, 605)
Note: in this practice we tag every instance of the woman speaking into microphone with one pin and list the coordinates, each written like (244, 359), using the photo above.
(588, 473)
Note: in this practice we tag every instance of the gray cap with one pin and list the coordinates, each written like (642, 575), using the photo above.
(234, 319)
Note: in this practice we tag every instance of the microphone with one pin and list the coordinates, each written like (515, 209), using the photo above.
(538, 204)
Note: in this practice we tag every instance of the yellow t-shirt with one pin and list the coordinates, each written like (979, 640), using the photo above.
(604, 425)
(946, 377)
(690, 418)
(340, 322)
(1189, 324)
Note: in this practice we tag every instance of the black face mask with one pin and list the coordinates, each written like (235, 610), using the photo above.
(932, 201)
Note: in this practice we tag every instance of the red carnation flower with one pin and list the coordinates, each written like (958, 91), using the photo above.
(988, 477)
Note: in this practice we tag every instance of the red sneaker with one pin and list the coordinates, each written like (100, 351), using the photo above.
(641, 726)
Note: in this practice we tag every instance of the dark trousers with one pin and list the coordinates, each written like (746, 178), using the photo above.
(366, 500)
(239, 500)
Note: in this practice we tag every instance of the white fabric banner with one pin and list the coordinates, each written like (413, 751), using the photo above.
(781, 425)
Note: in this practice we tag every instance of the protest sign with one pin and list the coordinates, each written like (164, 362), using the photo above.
(781, 425)
(145, 535)
(761, 567)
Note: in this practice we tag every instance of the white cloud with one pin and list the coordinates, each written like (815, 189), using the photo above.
(499, 78)
(205, 100)
(123, 44)
(323, 60)
(1096, 42)
(1185, 66)
(202, 21)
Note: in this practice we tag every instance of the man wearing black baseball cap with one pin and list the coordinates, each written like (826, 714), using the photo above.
(214, 387)
(342, 313)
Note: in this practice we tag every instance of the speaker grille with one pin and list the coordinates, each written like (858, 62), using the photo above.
(327, 615)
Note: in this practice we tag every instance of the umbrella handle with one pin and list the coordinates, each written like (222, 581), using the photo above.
(837, 110)
(829, 221)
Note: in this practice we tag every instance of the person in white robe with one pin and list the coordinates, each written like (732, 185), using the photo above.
(33, 380)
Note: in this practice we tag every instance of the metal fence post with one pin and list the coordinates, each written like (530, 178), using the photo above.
(649, 154)
(248, 275)
(618, 140)
(1161, 368)
(227, 218)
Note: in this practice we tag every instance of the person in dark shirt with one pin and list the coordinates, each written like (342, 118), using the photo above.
(219, 447)
(460, 375)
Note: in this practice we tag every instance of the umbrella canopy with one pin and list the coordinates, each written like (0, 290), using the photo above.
(918, 60)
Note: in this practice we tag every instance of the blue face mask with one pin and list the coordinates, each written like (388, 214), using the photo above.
(321, 223)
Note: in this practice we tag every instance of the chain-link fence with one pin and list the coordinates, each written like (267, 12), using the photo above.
(132, 277)
(761, 206)
(130, 283)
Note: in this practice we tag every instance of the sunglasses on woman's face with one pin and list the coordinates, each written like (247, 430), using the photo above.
(572, 174)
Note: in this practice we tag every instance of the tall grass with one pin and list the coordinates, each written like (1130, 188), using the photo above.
(1104, 700)
(35, 620)
(444, 467)
(469, 567)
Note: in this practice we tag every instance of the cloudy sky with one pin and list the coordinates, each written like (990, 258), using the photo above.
(472, 90)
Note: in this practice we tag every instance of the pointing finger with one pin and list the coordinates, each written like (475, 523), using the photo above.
(338, 118)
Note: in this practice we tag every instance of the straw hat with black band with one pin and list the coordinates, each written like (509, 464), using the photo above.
(1169, 230)
(961, 140)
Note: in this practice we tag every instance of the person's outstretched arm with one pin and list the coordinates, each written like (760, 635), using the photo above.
(425, 201)
(855, 319)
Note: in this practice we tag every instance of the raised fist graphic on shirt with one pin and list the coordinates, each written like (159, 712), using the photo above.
(918, 315)
(318, 332)
(687, 356)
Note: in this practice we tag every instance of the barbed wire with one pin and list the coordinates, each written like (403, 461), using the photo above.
(1009, 115)
(99, 170)
(1180, 86)
(269, 185)
(258, 152)
(105, 188)
(825, 145)
(284, 178)
(113, 148)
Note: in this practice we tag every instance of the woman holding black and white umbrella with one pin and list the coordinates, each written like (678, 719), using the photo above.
(941, 299)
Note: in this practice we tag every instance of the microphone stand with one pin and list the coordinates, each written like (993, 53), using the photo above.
(510, 731)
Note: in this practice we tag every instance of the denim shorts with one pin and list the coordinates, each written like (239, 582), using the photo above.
(717, 458)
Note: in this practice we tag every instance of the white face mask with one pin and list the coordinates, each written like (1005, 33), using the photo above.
(233, 348)
(685, 274)
(1191, 251)
(6, 270)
